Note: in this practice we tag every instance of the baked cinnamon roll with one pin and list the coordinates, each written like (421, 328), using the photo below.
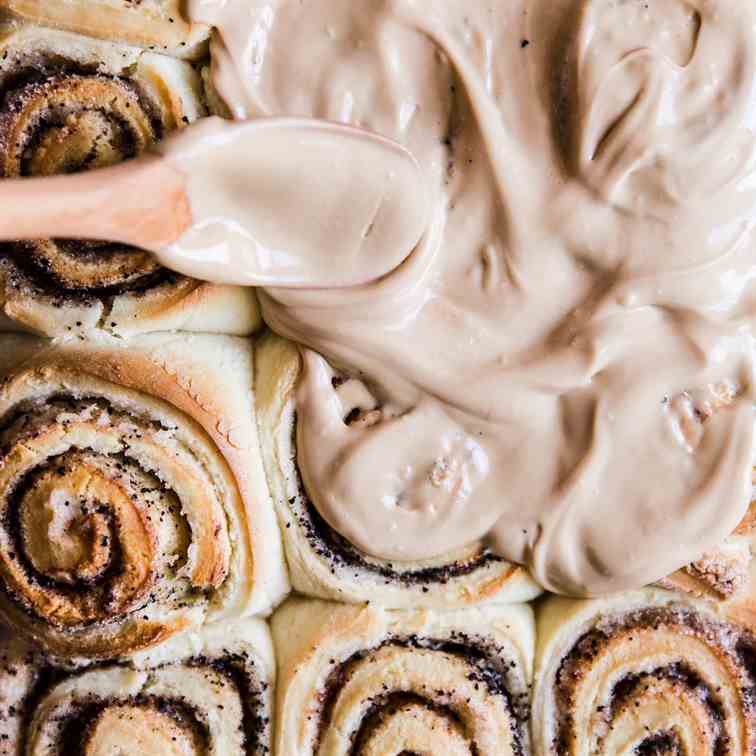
(69, 103)
(322, 562)
(726, 574)
(647, 672)
(132, 498)
(370, 681)
(206, 692)
(158, 25)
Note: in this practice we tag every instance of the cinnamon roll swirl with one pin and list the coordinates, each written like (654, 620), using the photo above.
(643, 673)
(132, 497)
(153, 24)
(69, 103)
(370, 681)
(208, 692)
(322, 562)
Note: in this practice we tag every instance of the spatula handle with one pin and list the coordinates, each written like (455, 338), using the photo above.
(142, 202)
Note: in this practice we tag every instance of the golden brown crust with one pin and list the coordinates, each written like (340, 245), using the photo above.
(151, 447)
(153, 24)
(726, 574)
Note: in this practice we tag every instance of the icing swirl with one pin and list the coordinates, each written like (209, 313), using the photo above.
(546, 369)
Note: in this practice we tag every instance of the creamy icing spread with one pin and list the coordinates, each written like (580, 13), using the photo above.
(273, 201)
(564, 365)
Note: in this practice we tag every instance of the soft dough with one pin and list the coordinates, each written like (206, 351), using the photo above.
(362, 679)
(133, 497)
(208, 692)
(154, 24)
(643, 672)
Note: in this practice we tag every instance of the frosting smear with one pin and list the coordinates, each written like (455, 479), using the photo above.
(564, 365)
(274, 202)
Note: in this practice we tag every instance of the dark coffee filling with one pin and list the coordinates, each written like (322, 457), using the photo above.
(46, 678)
(487, 667)
(256, 724)
(36, 69)
(79, 724)
(746, 652)
(627, 688)
(237, 668)
(337, 550)
(33, 74)
(385, 707)
(12, 525)
(661, 744)
(35, 273)
(126, 141)
(22, 419)
(588, 647)
(329, 544)
(24, 414)
(31, 270)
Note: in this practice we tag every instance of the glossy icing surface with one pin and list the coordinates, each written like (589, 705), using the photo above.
(564, 365)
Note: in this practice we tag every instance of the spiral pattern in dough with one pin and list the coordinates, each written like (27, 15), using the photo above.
(208, 694)
(121, 521)
(644, 672)
(61, 116)
(370, 681)
(69, 104)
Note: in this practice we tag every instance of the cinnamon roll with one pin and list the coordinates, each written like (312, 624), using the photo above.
(322, 562)
(647, 672)
(69, 103)
(132, 498)
(158, 25)
(207, 692)
(726, 574)
(371, 681)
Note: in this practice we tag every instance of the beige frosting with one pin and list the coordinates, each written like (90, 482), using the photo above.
(564, 364)
(294, 202)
